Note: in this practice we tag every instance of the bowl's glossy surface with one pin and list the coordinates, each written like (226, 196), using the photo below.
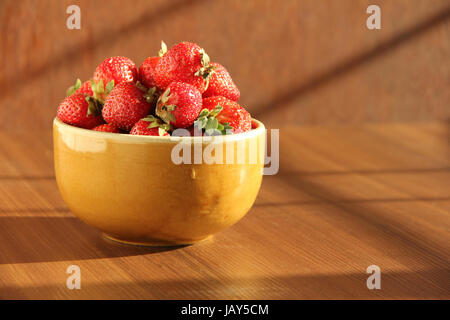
(129, 187)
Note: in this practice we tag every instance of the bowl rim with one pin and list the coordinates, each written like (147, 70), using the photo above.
(121, 137)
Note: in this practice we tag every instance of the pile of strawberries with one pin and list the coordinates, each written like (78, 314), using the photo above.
(179, 88)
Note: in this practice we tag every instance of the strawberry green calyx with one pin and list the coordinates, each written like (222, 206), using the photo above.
(207, 121)
(163, 49)
(141, 87)
(100, 91)
(109, 87)
(95, 107)
(207, 69)
(94, 98)
(155, 122)
(165, 111)
(204, 58)
(74, 88)
(150, 95)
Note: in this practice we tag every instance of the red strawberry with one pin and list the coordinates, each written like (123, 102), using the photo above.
(232, 113)
(94, 121)
(119, 69)
(107, 128)
(150, 126)
(148, 68)
(179, 105)
(207, 122)
(125, 105)
(184, 62)
(147, 72)
(92, 89)
(221, 84)
(80, 111)
(84, 88)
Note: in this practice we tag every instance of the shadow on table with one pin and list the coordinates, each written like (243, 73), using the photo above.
(42, 239)
(351, 201)
(425, 284)
(27, 177)
(360, 215)
(448, 138)
(368, 172)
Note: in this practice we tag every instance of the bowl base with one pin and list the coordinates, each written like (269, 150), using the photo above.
(154, 243)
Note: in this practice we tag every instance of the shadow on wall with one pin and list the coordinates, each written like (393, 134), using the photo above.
(72, 55)
(169, 8)
(352, 63)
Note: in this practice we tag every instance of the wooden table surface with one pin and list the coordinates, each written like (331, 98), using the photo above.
(345, 198)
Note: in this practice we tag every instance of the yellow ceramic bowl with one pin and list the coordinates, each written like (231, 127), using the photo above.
(131, 188)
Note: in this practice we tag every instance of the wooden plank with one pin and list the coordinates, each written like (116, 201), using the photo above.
(345, 198)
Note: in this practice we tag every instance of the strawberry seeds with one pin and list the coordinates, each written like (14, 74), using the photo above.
(178, 88)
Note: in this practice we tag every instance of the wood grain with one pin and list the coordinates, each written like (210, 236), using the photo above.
(297, 62)
(345, 198)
